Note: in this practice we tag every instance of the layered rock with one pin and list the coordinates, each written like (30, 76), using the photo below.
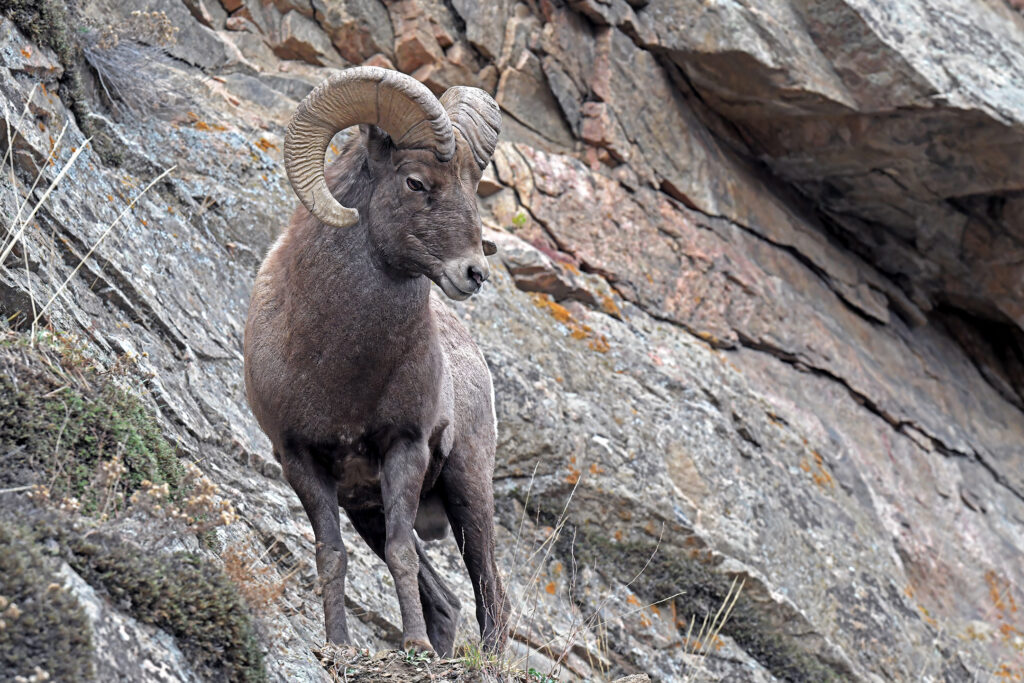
(752, 324)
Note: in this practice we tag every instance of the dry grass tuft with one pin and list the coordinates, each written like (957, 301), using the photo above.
(258, 584)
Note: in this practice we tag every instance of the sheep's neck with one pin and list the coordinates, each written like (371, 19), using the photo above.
(380, 312)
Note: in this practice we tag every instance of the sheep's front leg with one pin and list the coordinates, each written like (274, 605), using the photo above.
(405, 465)
(318, 491)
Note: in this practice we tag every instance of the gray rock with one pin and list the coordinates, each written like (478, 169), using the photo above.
(749, 413)
(358, 28)
(123, 646)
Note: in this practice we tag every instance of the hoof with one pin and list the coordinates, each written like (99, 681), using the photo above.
(416, 645)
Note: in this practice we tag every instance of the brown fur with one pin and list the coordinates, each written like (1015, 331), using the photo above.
(372, 392)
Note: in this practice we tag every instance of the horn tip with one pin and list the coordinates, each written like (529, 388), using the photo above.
(340, 216)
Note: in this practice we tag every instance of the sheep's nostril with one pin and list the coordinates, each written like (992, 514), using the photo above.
(476, 275)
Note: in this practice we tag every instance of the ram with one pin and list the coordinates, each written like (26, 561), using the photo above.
(374, 396)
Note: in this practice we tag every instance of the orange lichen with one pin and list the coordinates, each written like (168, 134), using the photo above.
(557, 311)
(577, 330)
(618, 535)
(574, 475)
(818, 473)
(199, 124)
(1001, 595)
(595, 469)
(266, 145)
(550, 588)
(1008, 672)
(26, 52)
(609, 306)
(633, 600)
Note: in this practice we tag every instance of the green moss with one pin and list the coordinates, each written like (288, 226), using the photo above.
(51, 631)
(187, 597)
(181, 593)
(46, 23)
(60, 425)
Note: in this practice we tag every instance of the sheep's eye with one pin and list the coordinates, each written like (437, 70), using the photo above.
(414, 185)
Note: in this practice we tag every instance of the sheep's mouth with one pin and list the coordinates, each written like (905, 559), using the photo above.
(452, 290)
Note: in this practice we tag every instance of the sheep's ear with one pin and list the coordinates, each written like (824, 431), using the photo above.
(490, 248)
(378, 144)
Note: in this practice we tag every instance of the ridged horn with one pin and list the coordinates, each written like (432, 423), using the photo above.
(476, 116)
(399, 104)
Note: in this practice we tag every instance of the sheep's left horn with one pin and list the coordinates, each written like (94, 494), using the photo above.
(477, 118)
(399, 104)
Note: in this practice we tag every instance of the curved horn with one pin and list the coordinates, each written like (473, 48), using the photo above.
(476, 116)
(399, 104)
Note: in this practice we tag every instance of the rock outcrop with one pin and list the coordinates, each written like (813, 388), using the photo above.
(759, 322)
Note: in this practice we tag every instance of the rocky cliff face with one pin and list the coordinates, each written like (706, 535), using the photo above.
(760, 318)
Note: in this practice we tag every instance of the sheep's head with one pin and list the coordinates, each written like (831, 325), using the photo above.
(425, 156)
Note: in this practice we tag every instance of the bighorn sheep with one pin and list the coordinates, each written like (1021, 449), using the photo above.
(374, 396)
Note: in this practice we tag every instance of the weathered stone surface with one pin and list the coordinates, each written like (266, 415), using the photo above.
(692, 371)
(485, 24)
(523, 94)
(416, 43)
(358, 28)
(898, 121)
(294, 36)
(121, 644)
(194, 43)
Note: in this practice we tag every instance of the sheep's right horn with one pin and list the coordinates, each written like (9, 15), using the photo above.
(399, 104)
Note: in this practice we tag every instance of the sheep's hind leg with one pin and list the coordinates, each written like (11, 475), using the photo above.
(318, 491)
(405, 465)
(440, 606)
(469, 502)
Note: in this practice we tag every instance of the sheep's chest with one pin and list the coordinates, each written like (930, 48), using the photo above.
(356, 466)
(357, 472)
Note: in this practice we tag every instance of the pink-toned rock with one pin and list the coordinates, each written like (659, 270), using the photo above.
(415, 42)
(600, 128)
(296, 36)
(380, 60)
(358, 28)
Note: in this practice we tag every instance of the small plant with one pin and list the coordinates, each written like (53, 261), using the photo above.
(199, 508)
(135, 72)
(44, 632)
(152, 28)
(257, 584)
(474, 658)
(416, 657)
(538, 677)
(73, 433)
(183, 594)
(519, 220)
